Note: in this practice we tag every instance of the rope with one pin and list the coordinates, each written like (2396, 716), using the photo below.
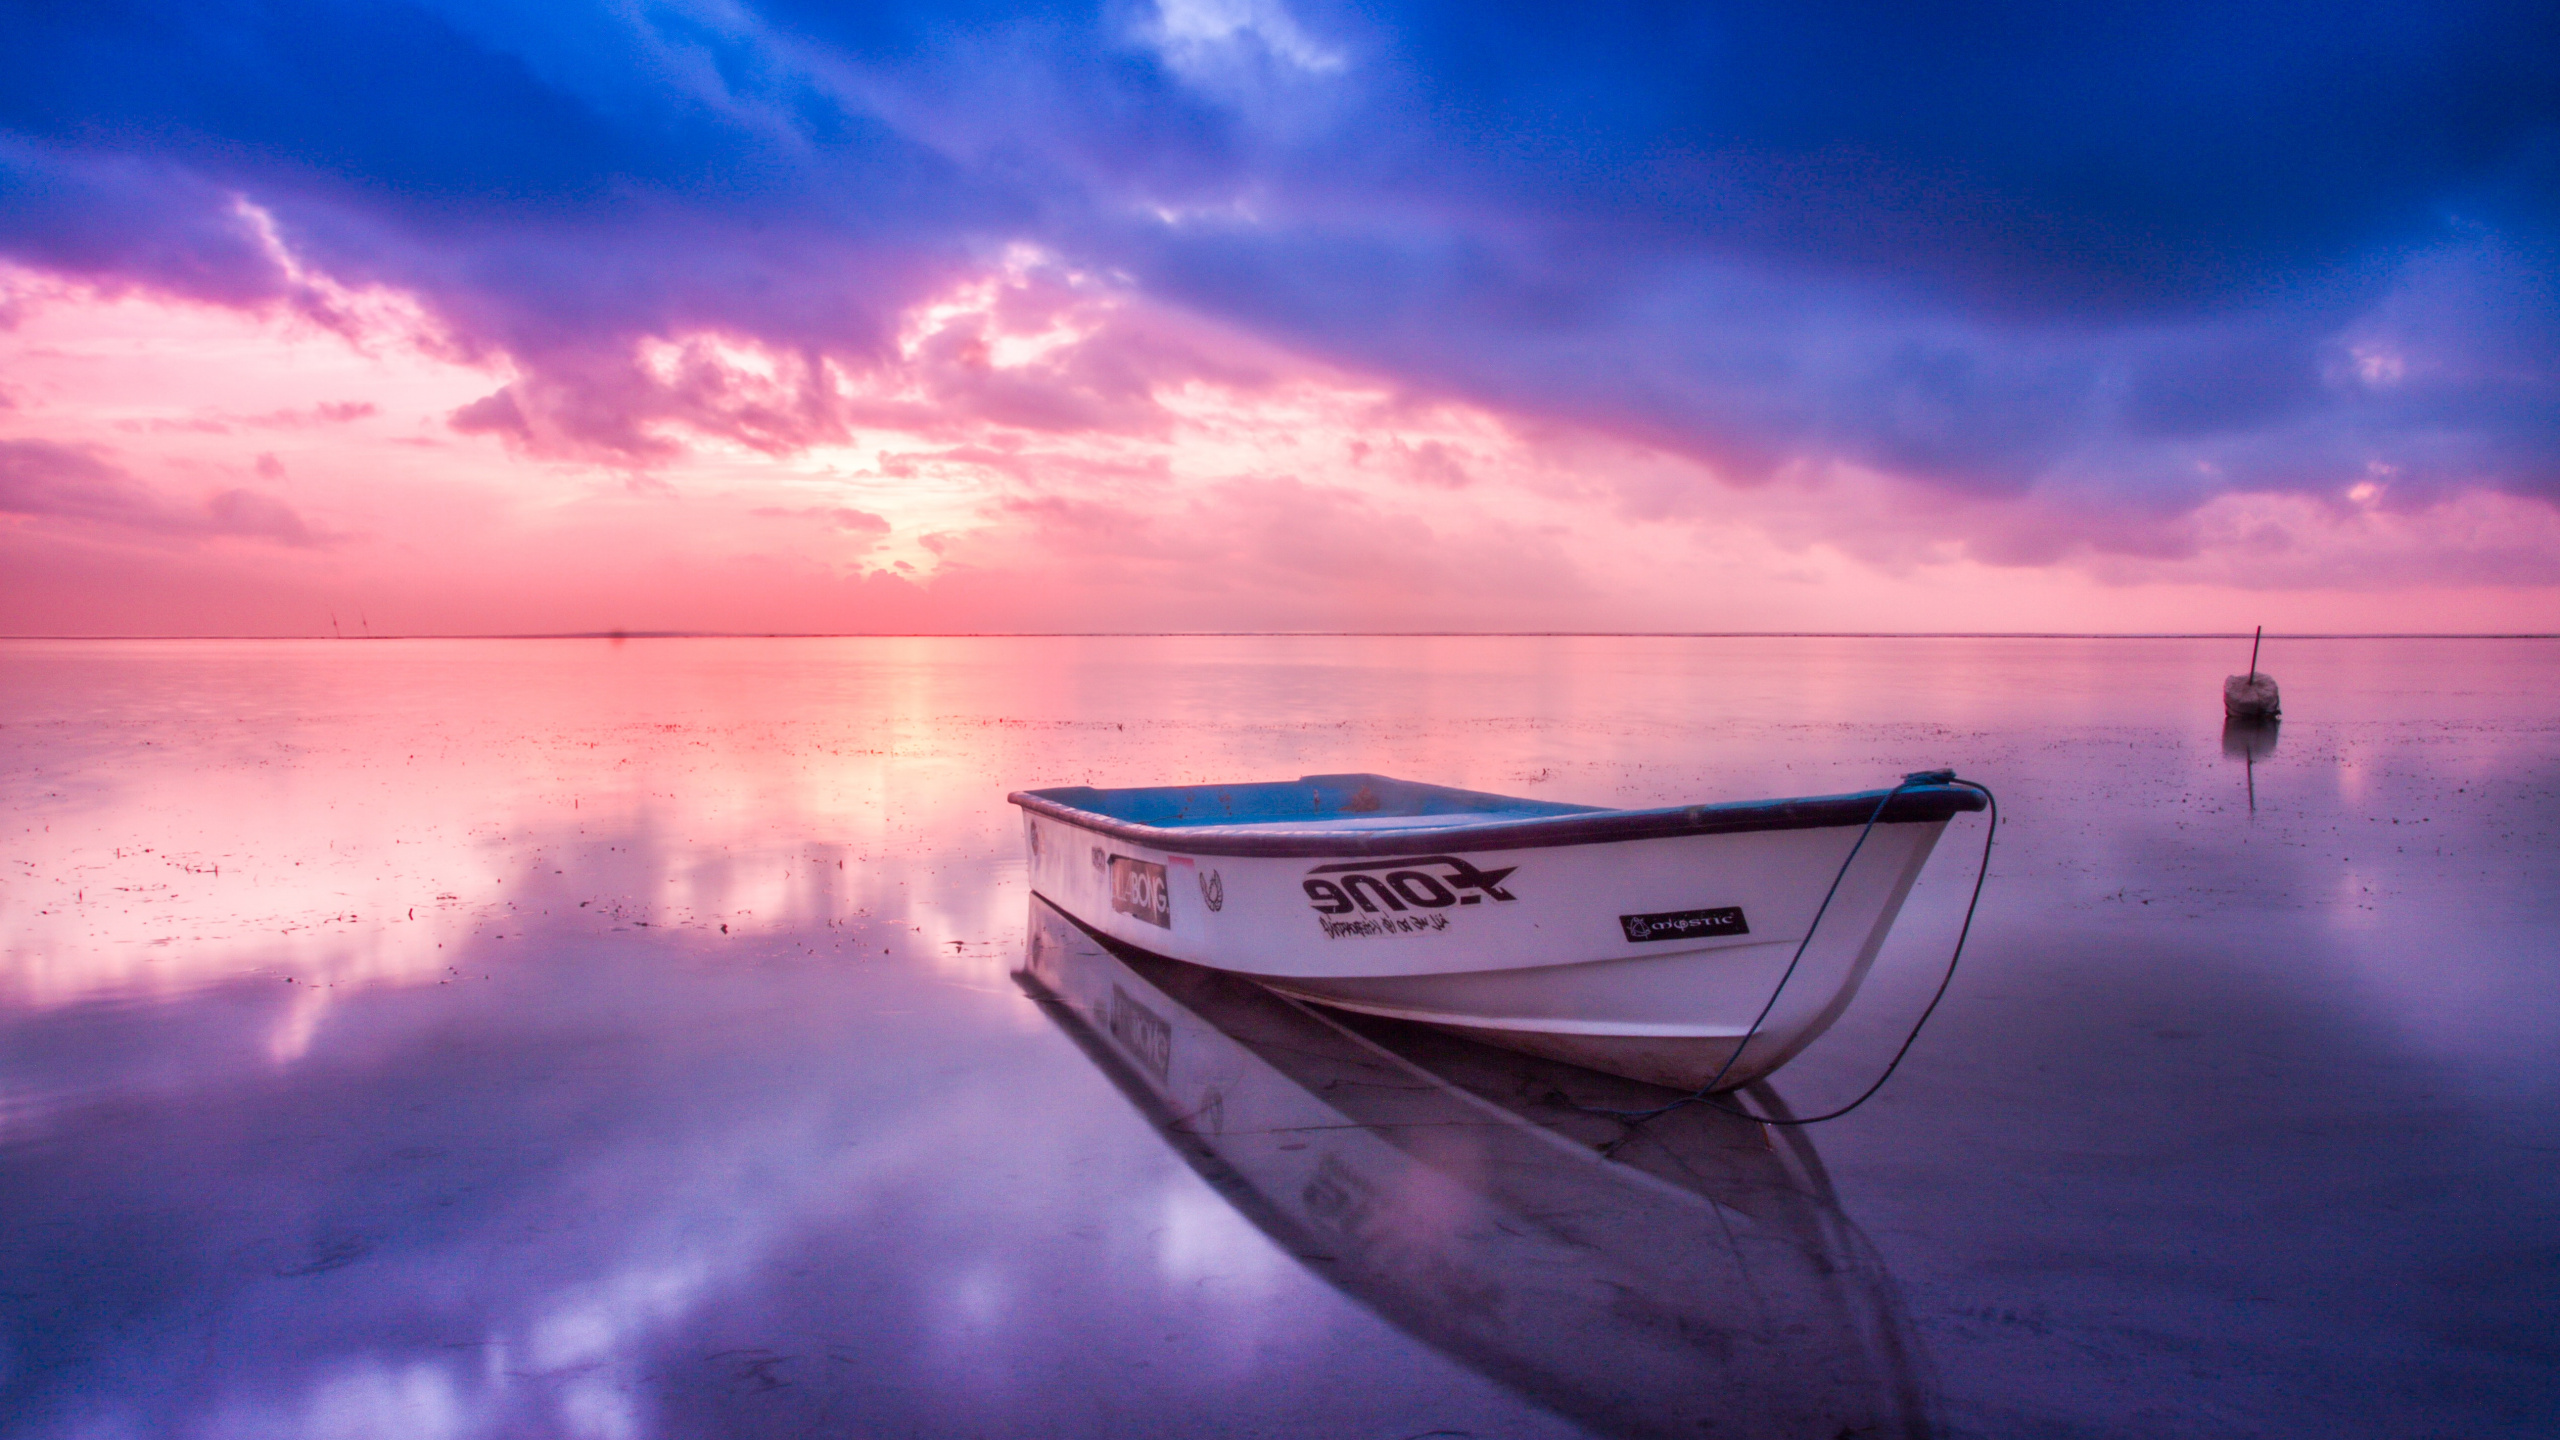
(1704, 1093)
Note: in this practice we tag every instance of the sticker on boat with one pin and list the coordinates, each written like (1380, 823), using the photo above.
(1422, 924)
(1428, 882)
(1138, 888)
(1686, 924)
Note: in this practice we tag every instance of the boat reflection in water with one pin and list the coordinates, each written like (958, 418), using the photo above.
(1690, 1276)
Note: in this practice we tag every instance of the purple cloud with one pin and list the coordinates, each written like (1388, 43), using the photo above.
(2010, 250)
(70, 484)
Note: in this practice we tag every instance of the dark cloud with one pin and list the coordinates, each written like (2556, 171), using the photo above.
(2139, 253)
(131, 220)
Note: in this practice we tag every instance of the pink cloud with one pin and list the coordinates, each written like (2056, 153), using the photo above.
(859, 522)
(1044, 453)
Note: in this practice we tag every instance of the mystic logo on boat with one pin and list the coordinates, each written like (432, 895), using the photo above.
(1686, 924)
(1422, 882)
(1138, 888)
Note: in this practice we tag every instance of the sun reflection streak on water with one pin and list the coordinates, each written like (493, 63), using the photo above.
(348, 867)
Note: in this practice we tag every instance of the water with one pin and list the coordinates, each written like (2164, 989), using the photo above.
(582, 1039)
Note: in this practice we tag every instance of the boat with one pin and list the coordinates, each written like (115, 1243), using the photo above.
(1690, 1276)
(1674, 945)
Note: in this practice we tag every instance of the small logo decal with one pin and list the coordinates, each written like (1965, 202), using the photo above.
(1686, 924)
(1138, 888)
(1213, 892)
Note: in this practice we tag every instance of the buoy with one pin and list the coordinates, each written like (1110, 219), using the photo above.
(2251, 696)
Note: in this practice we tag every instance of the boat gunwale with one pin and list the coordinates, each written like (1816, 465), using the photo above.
(1916, 804)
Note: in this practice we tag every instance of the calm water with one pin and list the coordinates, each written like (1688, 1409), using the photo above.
(658, 1039)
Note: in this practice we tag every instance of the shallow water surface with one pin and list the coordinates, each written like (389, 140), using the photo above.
(658, 1038)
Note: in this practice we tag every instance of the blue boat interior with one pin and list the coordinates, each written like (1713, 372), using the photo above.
(1327, 800)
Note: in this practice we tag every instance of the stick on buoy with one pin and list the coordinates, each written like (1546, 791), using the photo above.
(2252, 696)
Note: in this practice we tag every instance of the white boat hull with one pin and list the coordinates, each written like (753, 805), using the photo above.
(1645, 957)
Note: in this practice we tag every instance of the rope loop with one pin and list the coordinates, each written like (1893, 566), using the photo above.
(1705, 1093)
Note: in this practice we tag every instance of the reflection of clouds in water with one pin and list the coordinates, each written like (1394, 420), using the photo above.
(2352, 764)
(1197, 1237)
(363, 1400)
(974, 1299)
(613, 1182)
(2350, 905)
(337, 920)
(1200, 1241)
(596, 1322)
(583, 887)
(598, 1409)
(364, 807)
(291, 1037)
(586, 1337)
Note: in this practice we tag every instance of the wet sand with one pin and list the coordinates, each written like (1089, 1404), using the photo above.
(570, 1038)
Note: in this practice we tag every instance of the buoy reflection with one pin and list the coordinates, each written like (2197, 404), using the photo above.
(2250, 741)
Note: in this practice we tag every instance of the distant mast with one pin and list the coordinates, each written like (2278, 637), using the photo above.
(2251, 697)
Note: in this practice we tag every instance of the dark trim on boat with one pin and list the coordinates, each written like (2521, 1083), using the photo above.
(1919, 804)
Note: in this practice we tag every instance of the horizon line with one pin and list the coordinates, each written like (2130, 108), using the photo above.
(1342, 635)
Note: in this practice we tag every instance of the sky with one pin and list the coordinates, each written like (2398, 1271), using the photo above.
(459, 317)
